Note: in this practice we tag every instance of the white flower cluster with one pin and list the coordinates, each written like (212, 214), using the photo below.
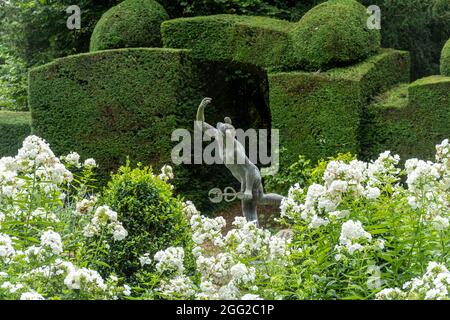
(105, 219)
(7, 251)
(82, 277)
(353, 236)
(35, 162)
(223, 272)
(52, 240)
(429, 186)
(145, 259)
(189, 209)
(320, 203)
(51, 246)
(181, 287)
(166, 173)
(247, 239)
(170, 260)
(73, 159)
(86, 206)
(433, 285)
(205, 229)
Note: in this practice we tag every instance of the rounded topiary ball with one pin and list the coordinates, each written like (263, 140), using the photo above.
(445, 60)
(132, 23)
(333, 33)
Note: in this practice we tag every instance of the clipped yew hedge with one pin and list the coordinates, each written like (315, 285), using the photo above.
(14, 128)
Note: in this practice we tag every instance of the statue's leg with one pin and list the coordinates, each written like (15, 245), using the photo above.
(268, 198)
(271, 199)
(249, 182)
(249, 210)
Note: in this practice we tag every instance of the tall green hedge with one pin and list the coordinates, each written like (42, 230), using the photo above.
(409, 119)
(117, 103)
(255, 40)
(14, 128)
(319, 114)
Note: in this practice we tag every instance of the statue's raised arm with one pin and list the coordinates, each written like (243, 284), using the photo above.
(200, 120)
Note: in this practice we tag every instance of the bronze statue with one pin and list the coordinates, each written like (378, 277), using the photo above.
(246, 172)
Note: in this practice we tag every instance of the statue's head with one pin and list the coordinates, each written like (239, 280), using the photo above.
(225, 126)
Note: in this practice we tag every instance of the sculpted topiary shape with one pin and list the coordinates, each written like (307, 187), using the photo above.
(334, 33)
(132, 23)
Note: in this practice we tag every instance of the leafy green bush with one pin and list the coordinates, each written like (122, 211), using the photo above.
(333, 33)
(13, 82)
(14, 127)
(149, 212)
(445, 60)
(132, 23)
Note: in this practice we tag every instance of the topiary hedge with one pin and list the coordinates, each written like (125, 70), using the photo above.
(410, 119)
(258, 41)
(318, 114)
(14, 128)
(132, 23)
(445, 60)
(127, 102)
(152, 216)
(334, 33)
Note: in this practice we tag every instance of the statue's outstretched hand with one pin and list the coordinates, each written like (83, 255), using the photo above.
(205, 102)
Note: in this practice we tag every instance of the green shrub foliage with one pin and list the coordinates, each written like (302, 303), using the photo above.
(445, 60)
(14, 127)
(149, 212)
(132, 23)
(333, 33)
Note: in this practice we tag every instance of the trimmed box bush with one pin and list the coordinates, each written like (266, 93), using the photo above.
(445, 60)
(14, 128)
(152, 216)
(132, 23)
(410, 119)
(318, 114)
(258, 41)
(333, 33)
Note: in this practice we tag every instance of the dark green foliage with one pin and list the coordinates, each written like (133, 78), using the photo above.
(14, 128)
(132, 23)
(445, 60)
(255, 40)
(117, 103)
(283, 9)
(410, 119)
(13, 82)
(418, 26)
(150, 213)
(333, 33)
(318, 114)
